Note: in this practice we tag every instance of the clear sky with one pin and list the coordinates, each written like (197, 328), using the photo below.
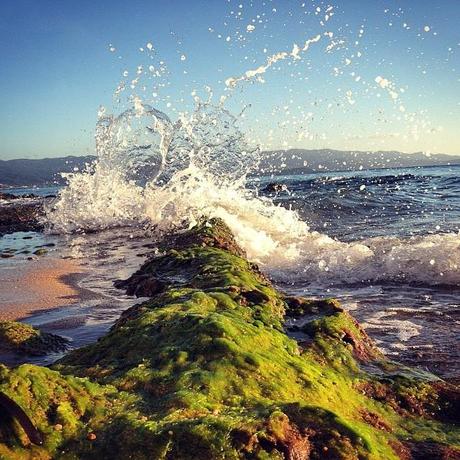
(384, 75)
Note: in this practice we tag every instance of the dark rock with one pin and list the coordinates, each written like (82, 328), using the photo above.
(275, 187)
(375, 420)
(300, 306)
(287, 438)
(425, 451)
(7, 196)
(21, 217)
(142, 285)
(14, 410)
(255, 296)
(11, 196)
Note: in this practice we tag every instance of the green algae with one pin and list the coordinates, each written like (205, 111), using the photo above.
(204, 369)
(22, 338)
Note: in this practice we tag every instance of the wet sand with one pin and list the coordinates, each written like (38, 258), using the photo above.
(38, 285)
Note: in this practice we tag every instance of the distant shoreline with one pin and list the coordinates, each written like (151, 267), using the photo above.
(23, 173)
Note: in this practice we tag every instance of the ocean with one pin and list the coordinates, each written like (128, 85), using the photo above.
(385, 242)
(411, 218)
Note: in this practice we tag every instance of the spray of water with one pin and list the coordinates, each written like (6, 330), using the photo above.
(165, 174)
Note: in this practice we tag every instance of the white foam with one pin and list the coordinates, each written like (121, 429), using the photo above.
(167, 174)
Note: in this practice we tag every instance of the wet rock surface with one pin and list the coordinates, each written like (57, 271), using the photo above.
(20, 214)
(20, 338)
(204, 369)
(275, 187)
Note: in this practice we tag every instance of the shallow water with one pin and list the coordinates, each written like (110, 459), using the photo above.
(416, 325)
(103, 258)
(408, 217)
(412, 320)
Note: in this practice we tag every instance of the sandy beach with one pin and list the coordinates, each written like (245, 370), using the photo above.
(39, 285)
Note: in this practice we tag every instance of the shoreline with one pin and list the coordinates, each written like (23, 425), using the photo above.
(204, 368)
(40, 285)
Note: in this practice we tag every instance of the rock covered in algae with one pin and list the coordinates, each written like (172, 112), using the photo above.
(22, 338)
(205, 370)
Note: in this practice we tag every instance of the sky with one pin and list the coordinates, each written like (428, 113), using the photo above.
(377, 75)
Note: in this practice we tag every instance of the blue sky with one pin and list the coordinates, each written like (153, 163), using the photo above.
(60, 60)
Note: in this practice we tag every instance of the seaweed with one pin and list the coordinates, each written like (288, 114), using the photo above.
(205, 369)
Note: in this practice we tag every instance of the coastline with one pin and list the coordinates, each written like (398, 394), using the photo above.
(204, 368)
(38, 285)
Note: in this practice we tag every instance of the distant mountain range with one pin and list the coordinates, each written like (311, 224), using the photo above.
(40, 172)
(296, 161)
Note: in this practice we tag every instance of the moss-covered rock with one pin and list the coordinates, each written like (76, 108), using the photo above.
(204, 369)
(21, 338)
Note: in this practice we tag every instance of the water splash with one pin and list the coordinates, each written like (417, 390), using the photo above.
(141, 155)
(167, 175)
(135, 143)
(156, 172)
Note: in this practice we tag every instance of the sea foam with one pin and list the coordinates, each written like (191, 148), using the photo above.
(166, 175)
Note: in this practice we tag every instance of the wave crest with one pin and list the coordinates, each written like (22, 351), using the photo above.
(152, 171)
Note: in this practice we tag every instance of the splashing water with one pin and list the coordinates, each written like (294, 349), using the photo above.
(153, 172)
(141, 156)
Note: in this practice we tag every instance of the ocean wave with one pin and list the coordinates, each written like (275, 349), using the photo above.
(199, 165)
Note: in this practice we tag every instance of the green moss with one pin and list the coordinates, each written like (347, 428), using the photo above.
(204, 369)
(59, 407)
(21, 338)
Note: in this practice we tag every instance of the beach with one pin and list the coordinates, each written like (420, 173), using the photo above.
(38, 285)
(218, 363)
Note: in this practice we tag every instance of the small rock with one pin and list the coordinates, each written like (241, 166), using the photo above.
(58, 427)
(275, 187)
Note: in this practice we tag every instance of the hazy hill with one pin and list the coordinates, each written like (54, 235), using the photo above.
(299, 160)
(46, 171)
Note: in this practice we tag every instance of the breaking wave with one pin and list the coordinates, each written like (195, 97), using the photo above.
(165, 175)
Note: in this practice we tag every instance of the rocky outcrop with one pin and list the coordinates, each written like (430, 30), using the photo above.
(275, 187)
(21, 216)
(204, 369)
(21, 338)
